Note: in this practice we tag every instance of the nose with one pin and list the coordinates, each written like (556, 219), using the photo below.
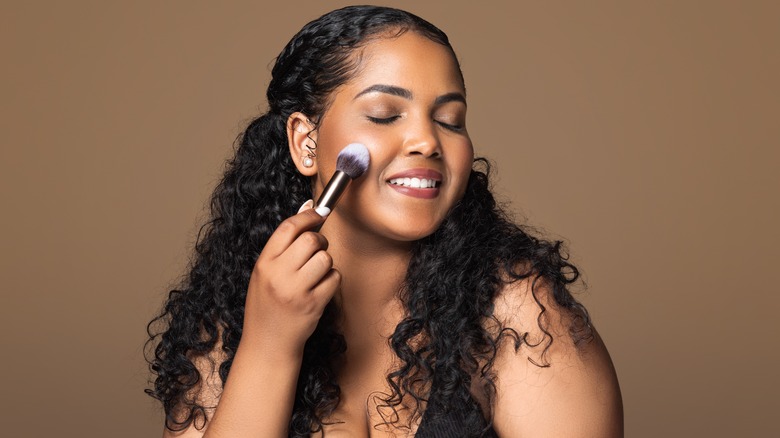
(423, 140)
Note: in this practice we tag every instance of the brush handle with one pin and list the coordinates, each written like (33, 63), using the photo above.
(333, 190)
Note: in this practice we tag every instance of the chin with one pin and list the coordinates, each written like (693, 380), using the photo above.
(410, 233)
(401, 225)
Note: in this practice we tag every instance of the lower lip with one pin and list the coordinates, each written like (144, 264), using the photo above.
(414, 192)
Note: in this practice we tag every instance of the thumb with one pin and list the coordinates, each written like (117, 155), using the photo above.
(306, 205)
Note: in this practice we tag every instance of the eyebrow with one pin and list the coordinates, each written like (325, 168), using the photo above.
(450, 97)
(388, 89)
(407, 94)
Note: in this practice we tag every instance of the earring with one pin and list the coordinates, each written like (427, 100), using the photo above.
(311, 154)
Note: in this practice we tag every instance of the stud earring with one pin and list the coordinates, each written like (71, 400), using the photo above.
(308, 162)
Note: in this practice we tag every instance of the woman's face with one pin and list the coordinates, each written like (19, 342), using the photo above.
(407, 104)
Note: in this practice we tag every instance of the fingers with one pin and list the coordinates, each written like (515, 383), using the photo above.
(303, 248)
(325, 289)
(298, 255)
(315, 268)
(306, 205)
(289, 230)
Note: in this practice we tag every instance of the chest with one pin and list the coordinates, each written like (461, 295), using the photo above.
(364, 411)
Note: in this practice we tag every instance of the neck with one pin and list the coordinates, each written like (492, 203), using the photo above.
(373, 270)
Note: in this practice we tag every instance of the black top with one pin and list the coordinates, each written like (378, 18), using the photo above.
(449, 418)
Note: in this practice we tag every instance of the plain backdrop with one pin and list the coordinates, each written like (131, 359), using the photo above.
(643, 134)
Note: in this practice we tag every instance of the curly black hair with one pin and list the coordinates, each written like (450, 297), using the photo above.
(452, 278)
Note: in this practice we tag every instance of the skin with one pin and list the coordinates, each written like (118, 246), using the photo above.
(364, 246)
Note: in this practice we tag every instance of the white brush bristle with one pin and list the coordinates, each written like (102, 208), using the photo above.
(353, 160)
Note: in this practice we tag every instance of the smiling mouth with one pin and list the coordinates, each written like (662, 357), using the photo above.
(417, 183)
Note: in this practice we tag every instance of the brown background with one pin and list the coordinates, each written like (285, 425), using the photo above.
(645, 135)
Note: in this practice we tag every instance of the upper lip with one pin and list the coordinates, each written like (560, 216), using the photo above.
(421, 173)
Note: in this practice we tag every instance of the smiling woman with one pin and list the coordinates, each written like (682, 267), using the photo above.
(406, 103)
(416, 309)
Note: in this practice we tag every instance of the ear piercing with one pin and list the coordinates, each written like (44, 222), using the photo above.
(311, 154)
(308, 160)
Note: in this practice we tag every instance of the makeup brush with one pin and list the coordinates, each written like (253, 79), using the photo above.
(351, 163)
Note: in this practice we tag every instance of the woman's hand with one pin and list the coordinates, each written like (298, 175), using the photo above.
(291, 283)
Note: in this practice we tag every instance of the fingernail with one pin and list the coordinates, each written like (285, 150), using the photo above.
(306, 205)
(322, 211)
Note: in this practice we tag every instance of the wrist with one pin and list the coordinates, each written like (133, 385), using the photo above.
(274, 348)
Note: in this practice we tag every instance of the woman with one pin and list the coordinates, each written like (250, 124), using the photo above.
(414, 311)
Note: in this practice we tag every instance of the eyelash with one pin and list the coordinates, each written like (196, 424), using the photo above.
(389, 120)
(383, 121)
(454, 128)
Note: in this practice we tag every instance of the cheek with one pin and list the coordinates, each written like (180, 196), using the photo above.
(337, 136)
(462, 164)
(332, 139)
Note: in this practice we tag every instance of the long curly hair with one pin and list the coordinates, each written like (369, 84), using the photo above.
(452, 278)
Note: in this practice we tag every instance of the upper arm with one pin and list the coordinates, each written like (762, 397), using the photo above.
(574, 393)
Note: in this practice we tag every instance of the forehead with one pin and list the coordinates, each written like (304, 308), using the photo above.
(410, 61)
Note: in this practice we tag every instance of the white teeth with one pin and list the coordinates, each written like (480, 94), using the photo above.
(421, 183)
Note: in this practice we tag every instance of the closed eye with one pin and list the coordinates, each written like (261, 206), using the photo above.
(389, 120)
(455, 128)
(383, 121)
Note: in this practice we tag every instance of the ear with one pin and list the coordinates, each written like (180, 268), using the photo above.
(302, 138)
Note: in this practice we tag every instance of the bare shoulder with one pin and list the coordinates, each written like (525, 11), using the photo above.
(551, 386)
